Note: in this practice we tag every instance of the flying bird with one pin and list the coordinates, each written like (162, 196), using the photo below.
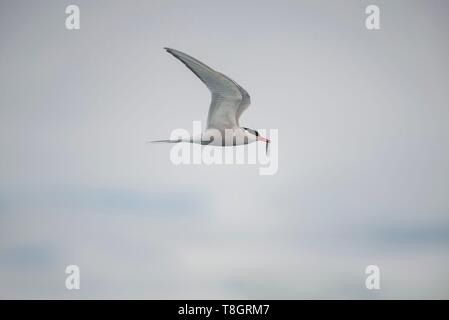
(229, 101)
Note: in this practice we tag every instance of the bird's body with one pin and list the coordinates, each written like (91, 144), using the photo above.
(215, 137)
(229, 101)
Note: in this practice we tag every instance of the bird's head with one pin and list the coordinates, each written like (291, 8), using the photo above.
(256, 135)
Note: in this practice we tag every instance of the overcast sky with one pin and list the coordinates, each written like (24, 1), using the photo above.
(363, 122)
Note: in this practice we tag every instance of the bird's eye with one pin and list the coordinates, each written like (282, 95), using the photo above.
(257, 133)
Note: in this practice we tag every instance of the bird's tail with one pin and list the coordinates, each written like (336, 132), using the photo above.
(165, 141)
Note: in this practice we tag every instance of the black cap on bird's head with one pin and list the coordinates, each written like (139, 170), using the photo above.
(258, 136)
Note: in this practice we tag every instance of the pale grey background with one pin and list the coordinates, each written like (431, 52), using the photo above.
(363, 152)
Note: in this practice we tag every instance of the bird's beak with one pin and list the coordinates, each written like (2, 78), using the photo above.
(260, 138)
(266, 140)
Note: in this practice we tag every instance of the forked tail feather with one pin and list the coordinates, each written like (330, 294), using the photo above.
(165, 141)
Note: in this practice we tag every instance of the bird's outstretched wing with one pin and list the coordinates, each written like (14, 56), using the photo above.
(229, 100)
